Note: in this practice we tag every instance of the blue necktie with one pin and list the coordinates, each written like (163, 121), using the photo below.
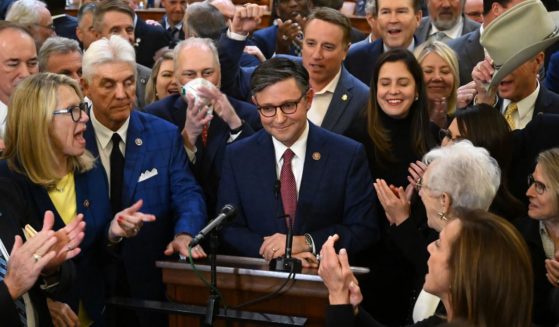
(20, 305)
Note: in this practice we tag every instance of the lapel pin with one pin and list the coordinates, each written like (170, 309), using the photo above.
(344, 97)
(316, 156)
(86, 203)
(138, 141)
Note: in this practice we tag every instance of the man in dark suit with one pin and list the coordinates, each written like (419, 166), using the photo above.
(445, 21)
(284, 36)
(231, 119)
(396, 21)
(467, 47)
(144, 158)
(172, 21)
(115, 17)
(338, 96)
(64, 25)
(298, 174)
(149, 40)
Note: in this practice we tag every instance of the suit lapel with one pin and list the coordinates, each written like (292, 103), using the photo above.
(265, 171)
(133, 158)
(340, 100)
(316, 158)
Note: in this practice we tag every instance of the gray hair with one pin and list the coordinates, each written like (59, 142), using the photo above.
(25, 12)
(56, 44)
(468, 174)
(371, 7)
(86, 9)
(193, 42)
(114, 49)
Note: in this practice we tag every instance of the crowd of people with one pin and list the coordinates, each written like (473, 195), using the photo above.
(426, 151)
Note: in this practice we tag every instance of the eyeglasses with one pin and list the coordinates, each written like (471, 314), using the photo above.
(445, 133)
(419, 184)
(286, 107)
(74, 111)
(538, 186)
(49, 26)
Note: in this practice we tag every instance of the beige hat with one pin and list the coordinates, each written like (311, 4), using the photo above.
(518, 35)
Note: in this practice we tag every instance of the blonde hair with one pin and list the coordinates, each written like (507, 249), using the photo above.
(29, 147)
(549, 163)
(449, 56)
(151, 86)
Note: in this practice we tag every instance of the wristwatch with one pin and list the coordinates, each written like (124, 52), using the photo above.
(310, 243)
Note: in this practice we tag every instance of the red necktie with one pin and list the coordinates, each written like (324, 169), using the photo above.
(288, 187)
(205, 134)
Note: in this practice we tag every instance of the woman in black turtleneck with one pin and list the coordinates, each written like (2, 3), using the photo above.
(396, 132)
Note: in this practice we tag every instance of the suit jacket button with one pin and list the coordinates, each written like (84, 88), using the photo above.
(86, 203)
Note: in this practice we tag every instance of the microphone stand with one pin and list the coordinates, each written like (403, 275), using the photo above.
(213, 300)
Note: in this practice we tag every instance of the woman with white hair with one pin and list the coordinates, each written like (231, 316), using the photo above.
(458, 175)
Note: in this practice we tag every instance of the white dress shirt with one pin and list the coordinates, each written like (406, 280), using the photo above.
(321, 101)
(525, 110)
(298, 161)
(103, 137)
(3, 117)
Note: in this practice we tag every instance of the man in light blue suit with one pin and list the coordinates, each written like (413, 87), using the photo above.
(294, 172)
(143, 158)
(338, 96)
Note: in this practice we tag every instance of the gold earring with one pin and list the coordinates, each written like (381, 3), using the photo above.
(442, 216)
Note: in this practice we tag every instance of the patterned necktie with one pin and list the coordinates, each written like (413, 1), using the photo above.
(440, 36)
(20, 304)
(509, 114)
(205, 134)
(117, 170)
(288, 187)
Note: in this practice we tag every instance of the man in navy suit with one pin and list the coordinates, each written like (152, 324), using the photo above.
(172, 21)
(338, 96)
(145, 155)
(231, 119)
(396, 21)
(64, 25)
(294, 172)
(284, 36)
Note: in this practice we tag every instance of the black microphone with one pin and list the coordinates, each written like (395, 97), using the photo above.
(287, 263)
(226, 212)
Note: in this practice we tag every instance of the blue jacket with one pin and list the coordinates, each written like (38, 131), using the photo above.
(335, 196)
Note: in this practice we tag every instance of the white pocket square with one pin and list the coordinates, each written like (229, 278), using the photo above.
(147, 175)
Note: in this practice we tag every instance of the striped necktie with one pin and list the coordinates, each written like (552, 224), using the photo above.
(20, 305)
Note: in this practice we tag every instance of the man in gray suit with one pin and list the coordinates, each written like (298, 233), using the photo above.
(467, 47)
(445, 21)
(115, 17)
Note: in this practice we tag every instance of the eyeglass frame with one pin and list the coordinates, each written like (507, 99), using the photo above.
(295, 105)
(446, 133)
(538, 186)
(82, 106)
(49, 26)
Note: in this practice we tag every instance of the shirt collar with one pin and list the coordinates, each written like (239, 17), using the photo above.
(104, 134)
(169, 25)
(299, 147)
(331, 87)
(452, 33)
(58, 16)
(526, 105)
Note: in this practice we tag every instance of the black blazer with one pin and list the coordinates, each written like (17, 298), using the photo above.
(13, 216)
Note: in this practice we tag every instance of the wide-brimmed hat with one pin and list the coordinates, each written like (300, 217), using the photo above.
(518, 35)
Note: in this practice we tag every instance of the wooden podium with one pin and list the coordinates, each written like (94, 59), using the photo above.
(241, 279)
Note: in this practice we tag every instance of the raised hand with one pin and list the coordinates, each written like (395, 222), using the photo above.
(246, 19)
(128, 222)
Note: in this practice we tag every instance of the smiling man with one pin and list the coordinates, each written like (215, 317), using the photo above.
(284, 181)
(338, 97)
(396, 21)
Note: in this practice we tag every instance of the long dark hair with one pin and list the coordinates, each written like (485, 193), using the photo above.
(421, 137)
(486, 127)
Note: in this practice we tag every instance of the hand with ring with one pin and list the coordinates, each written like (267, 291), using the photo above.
(180, 245)
(128, 222)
